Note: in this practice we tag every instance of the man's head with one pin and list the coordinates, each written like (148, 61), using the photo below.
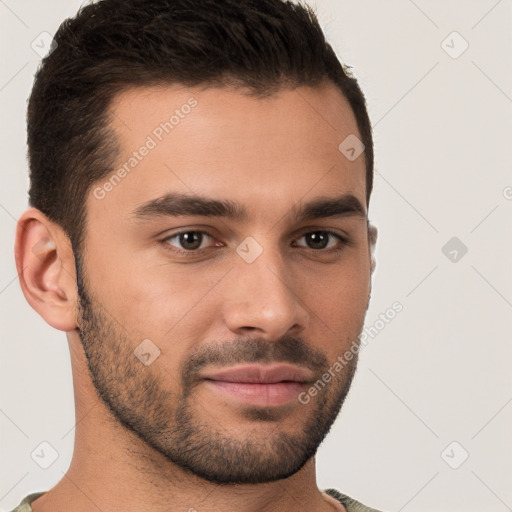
(185, 158)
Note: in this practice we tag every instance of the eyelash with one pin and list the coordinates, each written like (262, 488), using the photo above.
(345, 242)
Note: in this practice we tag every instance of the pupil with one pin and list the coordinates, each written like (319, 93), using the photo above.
(318, 238)
(191, 238)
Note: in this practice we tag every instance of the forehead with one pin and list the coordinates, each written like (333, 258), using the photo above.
(225, 143)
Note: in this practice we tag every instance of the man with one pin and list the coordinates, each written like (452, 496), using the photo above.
(200, 179)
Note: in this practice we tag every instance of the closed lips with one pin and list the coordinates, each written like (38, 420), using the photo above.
(261, 374)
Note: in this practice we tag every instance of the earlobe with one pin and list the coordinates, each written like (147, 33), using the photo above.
(46, 270)
(372, 242)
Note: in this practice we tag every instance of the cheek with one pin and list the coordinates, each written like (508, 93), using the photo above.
(164, 303)
(340, 299)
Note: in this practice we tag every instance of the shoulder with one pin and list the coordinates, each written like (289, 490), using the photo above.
(350, 504)
(24, 506)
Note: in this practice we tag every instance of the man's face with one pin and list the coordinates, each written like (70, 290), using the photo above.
(256, 307)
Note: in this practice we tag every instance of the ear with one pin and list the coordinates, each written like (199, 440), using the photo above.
(46, 269)
(372, 242)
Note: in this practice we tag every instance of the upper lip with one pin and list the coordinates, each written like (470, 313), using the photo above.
(261, 374)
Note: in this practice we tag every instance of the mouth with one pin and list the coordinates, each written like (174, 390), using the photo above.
(259, 385)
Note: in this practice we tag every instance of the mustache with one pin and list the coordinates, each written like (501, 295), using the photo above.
(287, 349)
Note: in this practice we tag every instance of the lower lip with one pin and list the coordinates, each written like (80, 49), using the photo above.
(262, 395)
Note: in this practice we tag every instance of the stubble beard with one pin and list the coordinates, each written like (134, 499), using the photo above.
(169, 420)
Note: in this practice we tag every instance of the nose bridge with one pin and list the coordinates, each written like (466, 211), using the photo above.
(263, 294)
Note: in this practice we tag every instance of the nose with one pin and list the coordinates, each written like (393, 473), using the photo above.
(264, 296)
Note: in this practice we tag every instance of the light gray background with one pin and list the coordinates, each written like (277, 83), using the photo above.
(440, 371)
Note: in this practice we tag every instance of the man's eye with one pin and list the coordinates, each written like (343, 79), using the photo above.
(189, 241)
(319, 240)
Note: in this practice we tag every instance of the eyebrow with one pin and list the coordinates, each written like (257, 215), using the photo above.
(178, 204)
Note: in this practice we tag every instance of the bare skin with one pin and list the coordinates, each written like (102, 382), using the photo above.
(270, 156)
